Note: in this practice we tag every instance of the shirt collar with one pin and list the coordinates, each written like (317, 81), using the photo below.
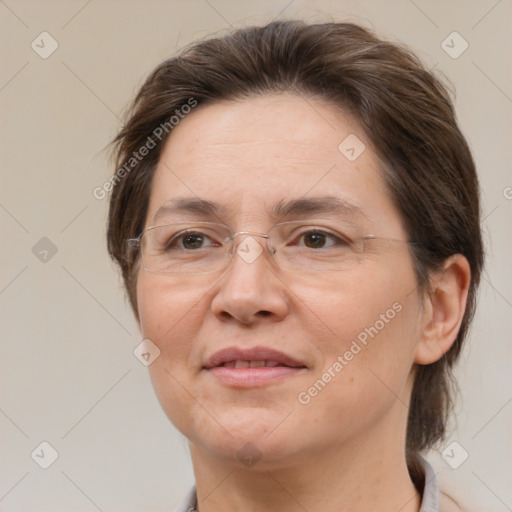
(429, 502)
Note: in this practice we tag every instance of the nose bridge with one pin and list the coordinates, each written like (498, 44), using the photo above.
(246, 246)
(250, 233)
(249, 287)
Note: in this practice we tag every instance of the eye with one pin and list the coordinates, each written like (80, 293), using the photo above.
(191, 240)
(319, 239)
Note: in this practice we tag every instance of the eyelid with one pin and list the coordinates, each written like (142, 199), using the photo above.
(206, 228)
(305, 228)
(190, 232)
(215, 241)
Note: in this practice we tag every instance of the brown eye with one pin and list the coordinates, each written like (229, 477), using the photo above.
(317, 239)
(192, 241)
(314, 240)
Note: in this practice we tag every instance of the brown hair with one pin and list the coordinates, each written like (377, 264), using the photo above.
(405, 112)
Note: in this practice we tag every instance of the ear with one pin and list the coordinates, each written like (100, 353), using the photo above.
(443, 309)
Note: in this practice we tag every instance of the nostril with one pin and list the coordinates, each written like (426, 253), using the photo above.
(225, 315)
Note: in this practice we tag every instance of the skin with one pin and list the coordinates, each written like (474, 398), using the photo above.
(343, 450)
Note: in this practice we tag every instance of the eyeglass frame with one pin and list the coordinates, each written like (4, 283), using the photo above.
(133, 243)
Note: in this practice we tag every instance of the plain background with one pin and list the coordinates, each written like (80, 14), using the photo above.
(68, 375)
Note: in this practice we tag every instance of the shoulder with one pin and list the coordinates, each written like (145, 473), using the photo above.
(456, 498)
(189, 504)
(449, 504)
(436, 499)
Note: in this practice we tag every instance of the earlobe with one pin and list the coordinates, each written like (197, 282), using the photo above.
(444, 309)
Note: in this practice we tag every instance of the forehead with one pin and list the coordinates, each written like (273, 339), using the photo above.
(282, 126)
(250, 155)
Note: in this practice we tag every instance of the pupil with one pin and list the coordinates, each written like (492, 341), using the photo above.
(315, 240)
(192, 241)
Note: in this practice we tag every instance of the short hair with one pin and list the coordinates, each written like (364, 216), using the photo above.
(404, 110)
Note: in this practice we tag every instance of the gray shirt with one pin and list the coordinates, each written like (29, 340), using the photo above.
(429, 502)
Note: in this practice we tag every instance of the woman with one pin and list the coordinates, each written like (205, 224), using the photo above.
(296, 218)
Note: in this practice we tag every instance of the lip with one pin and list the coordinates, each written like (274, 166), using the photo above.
(252, 376)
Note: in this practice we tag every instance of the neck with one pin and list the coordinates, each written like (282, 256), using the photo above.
(352, 478)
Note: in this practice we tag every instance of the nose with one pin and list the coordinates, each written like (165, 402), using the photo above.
(250, 291)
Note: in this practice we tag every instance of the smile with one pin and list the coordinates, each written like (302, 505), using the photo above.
(252, 367)
(251, 364)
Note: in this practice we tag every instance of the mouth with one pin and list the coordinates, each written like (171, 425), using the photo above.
(252, 367)
(250, 364)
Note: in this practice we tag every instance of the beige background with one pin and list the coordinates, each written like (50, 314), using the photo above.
(67, 372)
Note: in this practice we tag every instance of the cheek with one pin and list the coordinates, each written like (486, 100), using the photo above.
(167, 308)
(159, 314)
(171, 316)
(366, 365)
(372, 322)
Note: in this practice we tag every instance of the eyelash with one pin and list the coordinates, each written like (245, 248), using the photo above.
(339, 239)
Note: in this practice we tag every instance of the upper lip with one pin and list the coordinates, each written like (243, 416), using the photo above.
(251, 354)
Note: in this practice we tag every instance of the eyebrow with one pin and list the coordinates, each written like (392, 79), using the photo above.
(327, 205)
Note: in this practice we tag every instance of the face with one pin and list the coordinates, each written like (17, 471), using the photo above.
(338, 346)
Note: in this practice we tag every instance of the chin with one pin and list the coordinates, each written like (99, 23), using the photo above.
(248, 433)
(242, 451)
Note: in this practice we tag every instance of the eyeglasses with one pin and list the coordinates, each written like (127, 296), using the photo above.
(295, 246)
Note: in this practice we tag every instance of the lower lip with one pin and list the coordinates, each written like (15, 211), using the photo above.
(253, 377)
